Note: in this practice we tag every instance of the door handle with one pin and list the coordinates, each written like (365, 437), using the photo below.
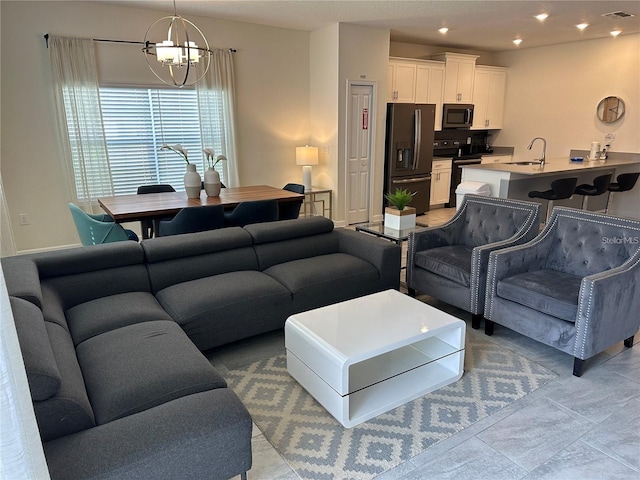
(417, 137)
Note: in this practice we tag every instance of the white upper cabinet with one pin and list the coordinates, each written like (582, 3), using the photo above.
(430, 87)
(401, 81)
(488, 97)
(459, 77)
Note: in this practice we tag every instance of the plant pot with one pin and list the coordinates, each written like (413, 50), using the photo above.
(399, 219)
(212, 182)
(192, 182)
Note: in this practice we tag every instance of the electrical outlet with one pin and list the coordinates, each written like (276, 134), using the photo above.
(24, 220)
(610, 137)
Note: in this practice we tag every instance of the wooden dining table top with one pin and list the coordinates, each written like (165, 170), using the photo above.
(127, 208)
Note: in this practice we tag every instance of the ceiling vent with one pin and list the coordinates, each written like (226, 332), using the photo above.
(619, 14)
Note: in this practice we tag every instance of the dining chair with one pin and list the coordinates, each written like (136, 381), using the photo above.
(97, 229)
(256, 211)
(192, 220)
(149, 226)
(290, 210)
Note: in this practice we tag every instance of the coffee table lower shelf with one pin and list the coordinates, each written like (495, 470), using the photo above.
(369, 402)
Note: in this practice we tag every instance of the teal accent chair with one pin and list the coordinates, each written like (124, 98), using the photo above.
(96, 229)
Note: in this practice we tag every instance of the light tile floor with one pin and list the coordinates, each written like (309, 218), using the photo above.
(584, 428)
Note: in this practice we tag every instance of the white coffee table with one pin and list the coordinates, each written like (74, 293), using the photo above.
(366, 356)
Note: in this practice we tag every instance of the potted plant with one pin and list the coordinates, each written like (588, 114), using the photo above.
(211, 176)
(192, 180)
(399, 215)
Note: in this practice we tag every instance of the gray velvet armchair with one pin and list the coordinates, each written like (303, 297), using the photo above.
(575, 287)
(449, 262)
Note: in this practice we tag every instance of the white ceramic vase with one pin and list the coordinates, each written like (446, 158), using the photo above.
(192, 181)
(212, 182)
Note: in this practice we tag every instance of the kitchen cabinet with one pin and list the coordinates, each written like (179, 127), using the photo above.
(440, 182)
(401, 81)
(430, 87)
(459, 77)
(489, 159)
(488, 97)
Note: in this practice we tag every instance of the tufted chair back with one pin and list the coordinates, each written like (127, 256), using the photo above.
(487, 222)
(583, 244)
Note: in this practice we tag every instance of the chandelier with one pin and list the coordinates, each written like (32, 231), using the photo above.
(184, 57)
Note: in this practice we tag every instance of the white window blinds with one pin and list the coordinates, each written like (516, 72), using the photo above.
(137, 122)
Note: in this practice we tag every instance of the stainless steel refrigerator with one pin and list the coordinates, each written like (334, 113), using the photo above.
(409, 151)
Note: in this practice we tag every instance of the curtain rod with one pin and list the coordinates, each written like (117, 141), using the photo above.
(131, 42)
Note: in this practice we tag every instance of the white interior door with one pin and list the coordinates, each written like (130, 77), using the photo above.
(359, 121)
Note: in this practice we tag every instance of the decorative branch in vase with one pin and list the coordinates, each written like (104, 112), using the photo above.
(211, 176)
(192, 179)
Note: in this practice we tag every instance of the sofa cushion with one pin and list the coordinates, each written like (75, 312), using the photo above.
(42, 370)
(137, 367)
(69, 410)
(326, 279)
(223, 308)
(108, 313)
(548, 291)
(288, 229)
(270, 254)
(452, 262)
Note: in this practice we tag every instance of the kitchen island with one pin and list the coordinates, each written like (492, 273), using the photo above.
(509, 180)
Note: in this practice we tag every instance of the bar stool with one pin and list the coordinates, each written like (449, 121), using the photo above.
(561, 189)
(599, 187)
(624, 182)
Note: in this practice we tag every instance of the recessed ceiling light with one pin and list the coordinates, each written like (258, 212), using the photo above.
(443, 30)
(582, 26)
(517, 41)
(542, 16)
(615, 33)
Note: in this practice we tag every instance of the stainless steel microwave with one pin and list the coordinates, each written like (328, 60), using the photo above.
(457, 115)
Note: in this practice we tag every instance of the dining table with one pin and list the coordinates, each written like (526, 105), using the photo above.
(154, 206)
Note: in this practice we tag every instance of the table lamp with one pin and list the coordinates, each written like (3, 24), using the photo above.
(306, 156)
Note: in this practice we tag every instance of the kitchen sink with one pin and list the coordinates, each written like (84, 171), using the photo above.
(524, 163)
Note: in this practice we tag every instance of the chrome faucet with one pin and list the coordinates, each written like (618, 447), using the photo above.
(544, 148)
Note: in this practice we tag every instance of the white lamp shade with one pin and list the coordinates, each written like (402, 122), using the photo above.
(307, 155)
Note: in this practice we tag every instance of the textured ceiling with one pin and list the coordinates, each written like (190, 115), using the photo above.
(479, 25)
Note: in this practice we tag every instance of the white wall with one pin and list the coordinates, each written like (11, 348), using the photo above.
(553, 92)
(272, 80)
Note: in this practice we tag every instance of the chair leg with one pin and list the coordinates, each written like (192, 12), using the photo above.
(412, 292)
(488, 327)
(629, 342)
(578, 365)
(243, 476)
(476, 318)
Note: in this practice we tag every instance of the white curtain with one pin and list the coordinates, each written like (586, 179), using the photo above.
(77, 97)
(7, 242)
(216, 101)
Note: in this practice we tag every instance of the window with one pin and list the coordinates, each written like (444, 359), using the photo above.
(137, 122)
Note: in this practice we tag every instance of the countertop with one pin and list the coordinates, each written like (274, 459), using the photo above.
(553, 165)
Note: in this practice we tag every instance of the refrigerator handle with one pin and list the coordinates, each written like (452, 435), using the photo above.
(417, 137)
(411, 180)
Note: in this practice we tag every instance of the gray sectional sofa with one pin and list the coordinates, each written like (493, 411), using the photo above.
(111, 337)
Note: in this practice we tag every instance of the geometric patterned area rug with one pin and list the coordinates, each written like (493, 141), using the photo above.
(317, 447)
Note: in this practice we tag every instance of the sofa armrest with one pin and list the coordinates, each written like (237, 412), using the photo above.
(608, 306)
(204, 435)
(382, 254)
(22, 279)
(480, 260)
